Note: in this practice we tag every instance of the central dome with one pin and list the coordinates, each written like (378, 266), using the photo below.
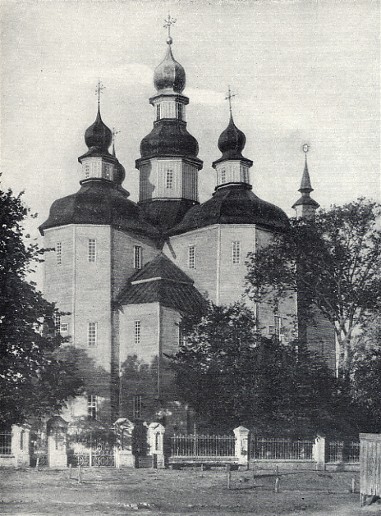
(169, 74)
(169, 139)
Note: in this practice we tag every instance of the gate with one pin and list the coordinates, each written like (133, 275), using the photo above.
(92, 450)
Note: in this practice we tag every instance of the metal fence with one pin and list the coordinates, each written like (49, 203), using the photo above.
(202, 446)
(274, 448)
(340, 451)
(5, 443)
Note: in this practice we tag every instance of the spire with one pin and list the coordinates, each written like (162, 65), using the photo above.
(305, 206)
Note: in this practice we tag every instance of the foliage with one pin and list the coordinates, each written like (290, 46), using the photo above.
(333, 262)
(33, 382)
(230, 375)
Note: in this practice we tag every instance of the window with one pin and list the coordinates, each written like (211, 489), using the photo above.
(92, 406)
(137, 330)
(138, 254)
(137, 406)
(108, 171)
(158, 112)
(245, 174)
(64, 328)
(179, 109)
(169, 178)
(59, 253)
(191, 257)
(223, 176)
(278, 327)
(92, 334)
(57, 323)
(92, 248)
(87, 171)
(236, 252)
(5, 443)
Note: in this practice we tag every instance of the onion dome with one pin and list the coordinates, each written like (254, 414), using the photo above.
(169, 75)
(98, 135)
(99, 202)
(234, 205)
(169, 139)
(232, 141)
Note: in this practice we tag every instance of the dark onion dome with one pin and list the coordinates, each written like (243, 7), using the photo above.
(98, 135)
(99, 202)
(169, 138)
(169, 75)
(231, 143)
(233, 204)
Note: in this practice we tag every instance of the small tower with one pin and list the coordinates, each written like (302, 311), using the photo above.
(305, 207)
(168, 164)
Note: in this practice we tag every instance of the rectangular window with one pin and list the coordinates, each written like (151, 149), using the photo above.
(59, 253)
(179, 108)
(92, 250)
(6, 443)
(138, 255)
(137, 406)
(64, 328)
(158, 112)
(137, 330)
(191, 257)
(277, 326)
(223, 176)
(57, 323)
(87, 171)
(169, 178)
(92, 406)
(236, 252)
(92, 334)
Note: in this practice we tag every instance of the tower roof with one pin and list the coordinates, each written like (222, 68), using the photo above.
(169, 75)
(98, 135)
(305, 186)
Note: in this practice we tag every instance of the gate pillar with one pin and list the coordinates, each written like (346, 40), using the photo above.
(57, 453)
(124, 456)
(242, 445)
(155, 441)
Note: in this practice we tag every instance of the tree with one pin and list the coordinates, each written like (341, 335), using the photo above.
(231, 375)
(33, 381)
(333, 262)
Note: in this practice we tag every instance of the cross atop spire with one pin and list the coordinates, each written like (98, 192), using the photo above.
(167, 25)
(98, 90)
(229, 97)
(114, 133)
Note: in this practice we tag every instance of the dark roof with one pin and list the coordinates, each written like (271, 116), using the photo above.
(99, 201)
(233, 204)
(165, 213)
(231, 143)
(163, 282)
(169, 138)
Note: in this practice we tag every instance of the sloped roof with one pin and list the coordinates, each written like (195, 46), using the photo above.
(161, 281)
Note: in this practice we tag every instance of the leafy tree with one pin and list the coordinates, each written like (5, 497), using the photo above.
(333, 262)
(231, 375)
(33, 381)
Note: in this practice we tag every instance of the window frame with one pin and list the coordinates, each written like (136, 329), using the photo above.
(59, 253)
(236, 252)
(91, 250)
(138, 257)
(191, 256)
(92, 406)
(137, 332)
(169, 178)
(92, 334)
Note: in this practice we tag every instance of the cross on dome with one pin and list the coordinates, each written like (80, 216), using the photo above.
(229, 97)
(167, 25)
(98, 90)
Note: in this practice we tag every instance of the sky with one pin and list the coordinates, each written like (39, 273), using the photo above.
(303, 71)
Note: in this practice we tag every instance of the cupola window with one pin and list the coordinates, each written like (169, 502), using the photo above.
(108, 171)
(179, 108)
(236, 252)
(223, 176)
(158, 112)
(169, 178)
(87, 170)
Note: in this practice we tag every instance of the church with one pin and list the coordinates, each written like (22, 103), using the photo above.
(122, 273)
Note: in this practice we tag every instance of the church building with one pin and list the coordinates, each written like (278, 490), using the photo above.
(123, 273)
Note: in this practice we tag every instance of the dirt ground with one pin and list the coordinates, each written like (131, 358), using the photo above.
(188, 491)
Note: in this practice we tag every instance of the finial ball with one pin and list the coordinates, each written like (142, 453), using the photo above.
(169, 40)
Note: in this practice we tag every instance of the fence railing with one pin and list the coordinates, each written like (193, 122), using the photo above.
(340, 451)
(273, 448)
(202, 446)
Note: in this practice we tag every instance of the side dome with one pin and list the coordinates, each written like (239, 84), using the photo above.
(169, 139)
(102, 203)
(232, 141)
(98, 135)
(169, 74)
(234, 205)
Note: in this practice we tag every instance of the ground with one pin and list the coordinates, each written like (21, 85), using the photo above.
(188, 491)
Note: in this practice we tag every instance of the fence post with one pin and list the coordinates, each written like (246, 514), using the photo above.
(318, 452)
(242, 445)
(57, 429)
(155, 438)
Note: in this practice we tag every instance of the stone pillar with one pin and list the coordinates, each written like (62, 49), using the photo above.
(242, 445)
(124, 456)
(155, 440)
(57, 431)
(318, 452)
(20, 445)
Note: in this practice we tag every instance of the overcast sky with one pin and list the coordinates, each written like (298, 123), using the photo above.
(303, 71)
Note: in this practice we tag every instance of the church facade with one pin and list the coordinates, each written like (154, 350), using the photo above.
(123, 273)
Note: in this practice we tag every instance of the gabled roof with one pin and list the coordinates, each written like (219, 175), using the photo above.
(161, 281)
